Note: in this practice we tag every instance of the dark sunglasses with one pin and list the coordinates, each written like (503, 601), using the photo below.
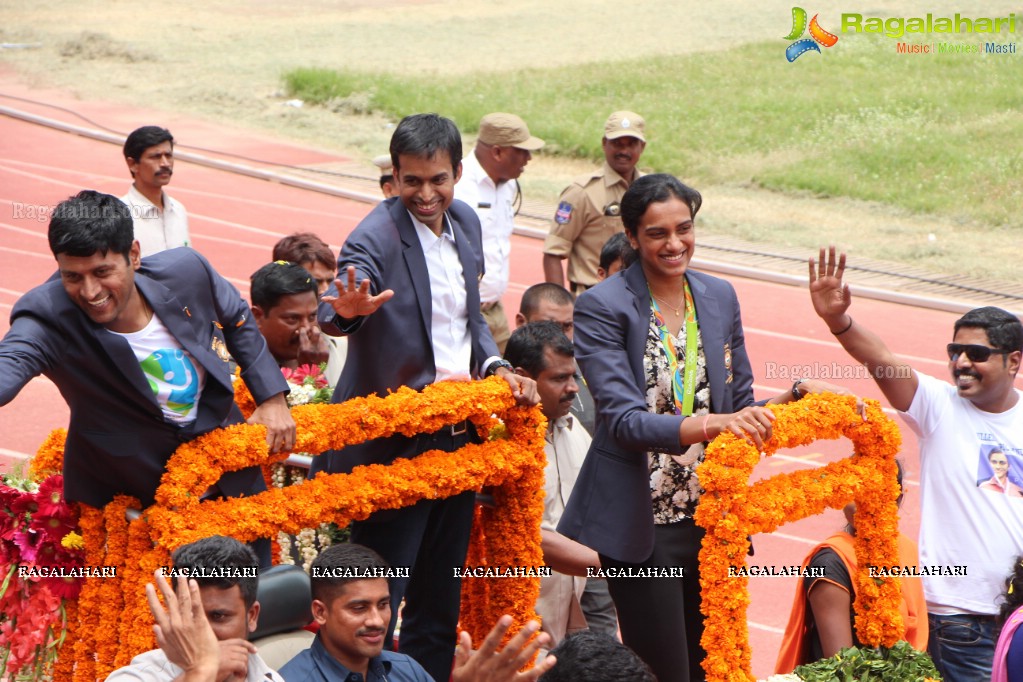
(974, 352)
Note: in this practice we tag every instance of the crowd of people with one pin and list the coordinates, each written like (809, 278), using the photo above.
(636, 360)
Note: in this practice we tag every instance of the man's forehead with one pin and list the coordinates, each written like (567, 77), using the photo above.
(440, 158)
(215, 597)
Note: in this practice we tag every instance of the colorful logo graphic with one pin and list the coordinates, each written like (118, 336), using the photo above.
(172, 378)
(817, 35)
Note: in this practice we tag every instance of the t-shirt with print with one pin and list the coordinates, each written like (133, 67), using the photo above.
(962, 524)
(174, 376)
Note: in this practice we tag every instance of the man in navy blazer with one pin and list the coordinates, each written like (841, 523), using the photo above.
(133, 404)
(411, 305)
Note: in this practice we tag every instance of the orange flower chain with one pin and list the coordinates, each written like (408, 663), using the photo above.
(731, 510)
(113, 620)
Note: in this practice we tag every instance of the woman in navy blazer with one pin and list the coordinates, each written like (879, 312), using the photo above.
(636, 492)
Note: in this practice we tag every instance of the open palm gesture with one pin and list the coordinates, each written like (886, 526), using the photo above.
(831, 298)
(355, 300)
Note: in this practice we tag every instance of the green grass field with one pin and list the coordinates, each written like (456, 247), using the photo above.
(931, 134)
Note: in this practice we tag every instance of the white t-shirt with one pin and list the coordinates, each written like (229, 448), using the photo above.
(962, 524)
(174, 376)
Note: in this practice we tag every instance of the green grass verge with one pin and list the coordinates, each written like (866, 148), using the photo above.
(926, 133)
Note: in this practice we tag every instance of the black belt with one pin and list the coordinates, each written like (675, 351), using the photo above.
(578, 288)
(449, 438)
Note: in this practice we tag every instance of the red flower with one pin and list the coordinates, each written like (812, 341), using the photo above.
(303, 372)
(25, 503)
(64, 588)
(51, 498)
(28, 543)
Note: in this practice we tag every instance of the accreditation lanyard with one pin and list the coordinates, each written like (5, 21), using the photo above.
(683, 383)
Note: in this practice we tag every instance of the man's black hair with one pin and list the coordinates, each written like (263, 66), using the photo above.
(277, 279)
(423, 135)
(328, 569)
(528, 345)
(596, 657)
(615, 248)
(654, 189)
(91, 222)
(1004, 330)
(220, 552)
(544, 291)
(143, 138)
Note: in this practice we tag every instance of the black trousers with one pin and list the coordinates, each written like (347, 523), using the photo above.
(660, 617)
(431, 538)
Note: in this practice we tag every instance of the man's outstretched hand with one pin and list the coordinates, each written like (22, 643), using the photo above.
(355, 300)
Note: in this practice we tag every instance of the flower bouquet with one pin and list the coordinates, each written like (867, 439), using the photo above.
(41, 569)
(308, 387)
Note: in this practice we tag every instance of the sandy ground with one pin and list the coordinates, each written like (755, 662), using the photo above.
(223, 61)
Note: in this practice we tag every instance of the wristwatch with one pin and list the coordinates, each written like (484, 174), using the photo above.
(796, 393)
(496, 365)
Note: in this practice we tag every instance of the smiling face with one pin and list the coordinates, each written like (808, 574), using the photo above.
(354, 622)
(155, 167)
(999, 464)
(664, 240)
(989, 384)
(426, 186)
(622, 154)
(103, 286)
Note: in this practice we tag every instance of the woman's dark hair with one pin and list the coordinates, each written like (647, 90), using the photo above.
(1013, 596)
(651, 189)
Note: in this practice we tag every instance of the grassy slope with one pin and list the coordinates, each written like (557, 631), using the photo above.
(932, 134)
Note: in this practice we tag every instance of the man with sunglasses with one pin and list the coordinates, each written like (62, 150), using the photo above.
(957, 425)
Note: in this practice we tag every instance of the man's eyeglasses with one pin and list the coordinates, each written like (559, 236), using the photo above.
(974, 352)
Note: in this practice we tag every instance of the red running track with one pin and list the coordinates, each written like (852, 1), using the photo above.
(235, 220)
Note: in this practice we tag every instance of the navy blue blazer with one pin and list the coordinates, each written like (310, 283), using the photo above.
(610, 507)
(393, 347)
(118, 440)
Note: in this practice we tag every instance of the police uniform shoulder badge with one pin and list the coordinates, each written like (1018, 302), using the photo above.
(564, 213)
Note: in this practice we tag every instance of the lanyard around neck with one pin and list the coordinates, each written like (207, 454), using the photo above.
(683, 383)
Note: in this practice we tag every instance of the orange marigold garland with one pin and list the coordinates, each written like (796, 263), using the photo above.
(112, 596)
(179, 517)
(89, 615)
(49, 458)
(731, 510)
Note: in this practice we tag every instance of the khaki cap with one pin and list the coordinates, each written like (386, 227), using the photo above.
(507, 130)
(625, 123)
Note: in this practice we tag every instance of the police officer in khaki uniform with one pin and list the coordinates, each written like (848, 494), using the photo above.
(589, 210)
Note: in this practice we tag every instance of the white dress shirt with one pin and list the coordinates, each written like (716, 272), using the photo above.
(495, 206)
(155, 229)
(558, 605)
(449, 323)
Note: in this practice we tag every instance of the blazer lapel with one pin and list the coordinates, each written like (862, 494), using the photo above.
(124, 360)
(635, 281)
(708, 316)
(415, 261)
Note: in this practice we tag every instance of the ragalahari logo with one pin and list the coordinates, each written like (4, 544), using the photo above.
(817, 35)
